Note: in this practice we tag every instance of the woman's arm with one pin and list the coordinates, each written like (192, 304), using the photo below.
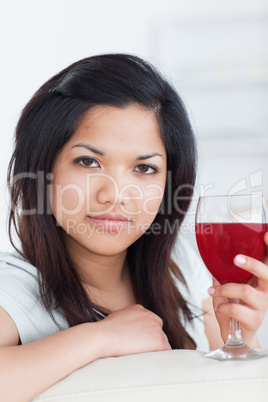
(27, 370)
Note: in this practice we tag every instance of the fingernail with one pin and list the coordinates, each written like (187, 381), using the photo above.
(240, 259)
(211, 290)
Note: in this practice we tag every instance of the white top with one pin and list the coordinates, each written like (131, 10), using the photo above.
(20, 297)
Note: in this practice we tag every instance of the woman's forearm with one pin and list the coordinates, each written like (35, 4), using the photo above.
(27, 370)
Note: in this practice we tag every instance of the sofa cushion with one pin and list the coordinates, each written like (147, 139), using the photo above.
(176, 375)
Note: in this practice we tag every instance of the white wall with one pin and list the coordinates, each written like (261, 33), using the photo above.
(192, 41)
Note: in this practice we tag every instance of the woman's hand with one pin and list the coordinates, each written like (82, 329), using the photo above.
(253, 299)
(133, 330)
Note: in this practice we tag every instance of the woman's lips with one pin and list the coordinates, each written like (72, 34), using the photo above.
(110, 221)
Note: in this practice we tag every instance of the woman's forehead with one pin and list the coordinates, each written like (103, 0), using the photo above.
(108, 128)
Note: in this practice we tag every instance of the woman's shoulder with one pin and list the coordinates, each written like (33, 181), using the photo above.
(21, 298)
(15, 262)
(17, 273)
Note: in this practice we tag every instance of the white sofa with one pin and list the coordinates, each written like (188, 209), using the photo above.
(176, 375)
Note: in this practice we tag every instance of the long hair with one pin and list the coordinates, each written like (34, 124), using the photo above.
(46, 124)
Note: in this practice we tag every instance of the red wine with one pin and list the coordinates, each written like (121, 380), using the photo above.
(219, 243)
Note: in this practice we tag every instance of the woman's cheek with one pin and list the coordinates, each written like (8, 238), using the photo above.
(68, 201)
(153, 199)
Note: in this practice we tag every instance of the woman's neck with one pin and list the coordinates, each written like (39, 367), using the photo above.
(106, 278)
(103, 272)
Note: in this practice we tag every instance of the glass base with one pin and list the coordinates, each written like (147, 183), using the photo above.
(236, 353)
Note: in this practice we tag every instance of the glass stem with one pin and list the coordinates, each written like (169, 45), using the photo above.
(234, 336)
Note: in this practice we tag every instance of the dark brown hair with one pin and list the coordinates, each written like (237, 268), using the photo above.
(47, 123)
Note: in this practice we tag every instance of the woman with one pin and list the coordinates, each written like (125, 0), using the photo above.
(100, 179)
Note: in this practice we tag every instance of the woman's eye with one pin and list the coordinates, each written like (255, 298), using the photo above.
(87, 162)
(146, 169)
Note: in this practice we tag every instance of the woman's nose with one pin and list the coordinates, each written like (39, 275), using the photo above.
(112, 191)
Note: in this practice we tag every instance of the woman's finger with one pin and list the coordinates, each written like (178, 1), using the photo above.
(247, 317)
(266, 238)
(257, 268)
(247, 294)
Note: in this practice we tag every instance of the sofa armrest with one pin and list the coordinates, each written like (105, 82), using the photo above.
(176, 375)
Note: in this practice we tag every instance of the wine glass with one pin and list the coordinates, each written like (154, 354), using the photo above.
(226, 226)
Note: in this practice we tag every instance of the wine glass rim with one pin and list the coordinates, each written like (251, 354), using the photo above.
(251, 197)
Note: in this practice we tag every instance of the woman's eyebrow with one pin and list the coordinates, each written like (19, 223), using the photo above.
(96, 151)
(88, 147)
(148, 156)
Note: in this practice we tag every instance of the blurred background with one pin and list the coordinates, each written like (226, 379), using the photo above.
(214, 52)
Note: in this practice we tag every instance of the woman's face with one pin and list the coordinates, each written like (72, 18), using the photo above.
(109, 179)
